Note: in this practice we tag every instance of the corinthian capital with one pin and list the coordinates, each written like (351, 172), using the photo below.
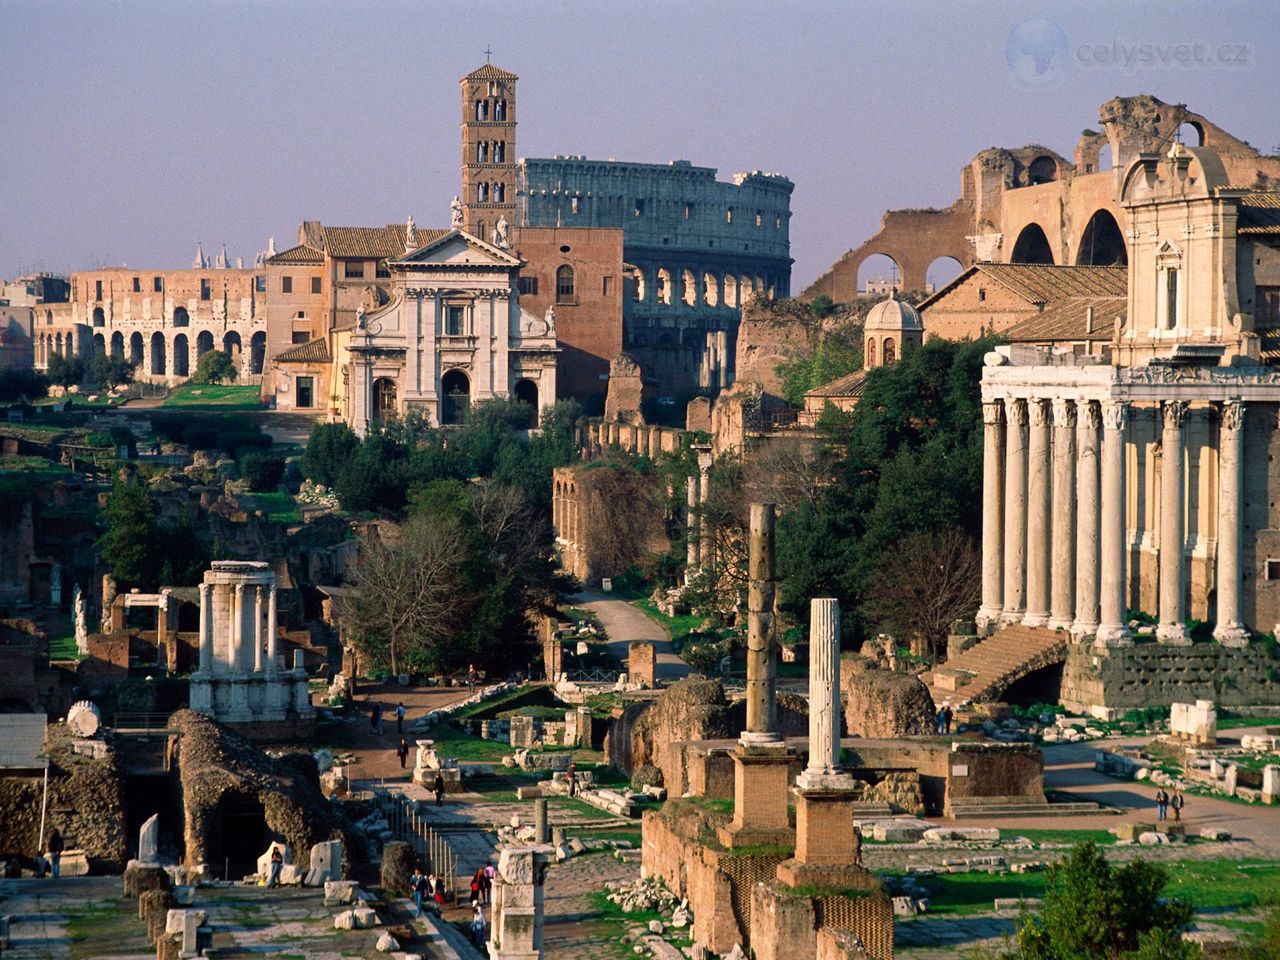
(1175, 413)
(1115, 414)
(993, 413)
(1232, 415)
(1016, 412)
(1064, 413)
(1039, 412)
(1090, 418)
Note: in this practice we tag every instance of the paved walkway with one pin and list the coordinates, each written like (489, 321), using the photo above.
(625, 623)
(377, 752)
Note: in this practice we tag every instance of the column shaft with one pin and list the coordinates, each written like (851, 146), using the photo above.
(1229, 630)
(1173, 613)
(206, 628)
(256, 603)
(1015, 510)
(1062, 581)
(271, 632)
(824, 691)
(762, 705)
(691, 548)
(1039, 558)
(1088, 421)
(235, 622)
(1113, 629)
(993, 456)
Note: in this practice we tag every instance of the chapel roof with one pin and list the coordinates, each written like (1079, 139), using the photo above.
(313, 351)
(1068, 320)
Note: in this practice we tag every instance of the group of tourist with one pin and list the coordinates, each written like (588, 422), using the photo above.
(429, 892)
(1164, 804)
(942, 719)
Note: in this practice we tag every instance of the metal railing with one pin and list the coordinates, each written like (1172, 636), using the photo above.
(593, 676)
(148, 722)
(408, 824)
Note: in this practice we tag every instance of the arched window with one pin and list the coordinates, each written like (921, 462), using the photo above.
(499, 151)
(499, 193)
(564, 284)
(871, 352)
(99, 318)
(181, 318)
(889, 354)
(482, 152)
(499, 110)
(482, 193)
(456, 390)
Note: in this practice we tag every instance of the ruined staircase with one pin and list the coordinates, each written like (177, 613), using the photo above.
(986, 669)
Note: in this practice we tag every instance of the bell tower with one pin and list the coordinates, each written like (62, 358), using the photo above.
(488, 149)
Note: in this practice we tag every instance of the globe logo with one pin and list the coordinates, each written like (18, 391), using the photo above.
(1036, 52)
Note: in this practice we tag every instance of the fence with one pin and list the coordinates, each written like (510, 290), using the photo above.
(593, 676)
(409, 825)
(148, 722)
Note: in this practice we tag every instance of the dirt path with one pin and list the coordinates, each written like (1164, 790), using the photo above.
(625, 623)
(377, 752)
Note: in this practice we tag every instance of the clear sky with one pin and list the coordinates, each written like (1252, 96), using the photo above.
(137, 128)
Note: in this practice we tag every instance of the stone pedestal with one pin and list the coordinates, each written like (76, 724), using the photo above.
(516, 929)
(200, 698)
(759, 797)
(827, 846)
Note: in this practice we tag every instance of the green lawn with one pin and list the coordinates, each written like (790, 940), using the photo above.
(1100, 837)
(63, 648)
(220, 396)
(675, 626)
(453, 742)
(279, 507)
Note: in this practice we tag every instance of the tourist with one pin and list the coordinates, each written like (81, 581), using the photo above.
(490, 872)
(477, 923)
(571, 778)
(277, 862)
(946, 717)
(1177, 803)
(376, 718)
(471, 677)
(400, 720)
(477, 885)
(55, 853)
(437, 891)
(1162, 804)
(438, 787)
(402, 751)
(417, 886)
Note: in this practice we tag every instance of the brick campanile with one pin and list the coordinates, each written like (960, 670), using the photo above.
(488, 149)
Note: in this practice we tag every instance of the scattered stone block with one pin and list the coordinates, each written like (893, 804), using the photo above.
(387, 943)
(141, 877)
(1015, 903)
(1212, 833)
(264, 861)
(1171, 828)
(365, 917)
(326, 863)
(1153, 839)
(971, 834)
(1131, 831)
(899, 831)
(1197, 722)
(74, 863)
(340, 892)
(528, 793)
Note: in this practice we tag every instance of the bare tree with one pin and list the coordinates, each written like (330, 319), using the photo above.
(406, 588)
(929, 579)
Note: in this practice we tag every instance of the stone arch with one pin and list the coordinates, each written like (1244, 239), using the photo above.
(730, 290)
(136, 349)
(688, 288)
(231, 346)
(204, 343)
(746, 290)
(1106, 159)
(871, 351)
(99, 345)
(638, 288)
(1043, 169)
(117, 346)
(890, 352)
(257, 352)
(1191, 133)
(181, 318)
(99, 318)
(878, 267)
(1102, 243)
(941, 271)
(181, 356)
(664, 286)
(526, 391)
(455, 397)
(710, 289)
(1032, 246)
(157, 354)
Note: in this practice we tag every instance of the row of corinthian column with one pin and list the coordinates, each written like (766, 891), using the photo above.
(1054, 539)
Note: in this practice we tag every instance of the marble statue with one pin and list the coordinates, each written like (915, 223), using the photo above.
(455, 214)
(82, 627)
(550, 319)
(500, 233)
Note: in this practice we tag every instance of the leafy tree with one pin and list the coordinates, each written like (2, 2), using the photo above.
(821, 306)
(108, 371)
(64, 371)
(16, 385)
(836, 353)
(140, 551)
(262, 470)
(214, 366)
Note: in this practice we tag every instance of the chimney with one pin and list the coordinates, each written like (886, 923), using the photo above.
(1088, 319)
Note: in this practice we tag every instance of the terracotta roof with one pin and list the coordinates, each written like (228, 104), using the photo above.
(850, 385)
(299, 254)
(373, 243)
(490, 72)
(1067, 321)
(1259, 214)
(313, 351)
(1041, 283)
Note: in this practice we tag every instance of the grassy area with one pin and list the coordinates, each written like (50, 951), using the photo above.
(1100, 837)
(279, 507)
(30, 466)
(676, 627)
(453, 742)
(613, 924)
(220, 396)
(1235, 723)
(63, 648)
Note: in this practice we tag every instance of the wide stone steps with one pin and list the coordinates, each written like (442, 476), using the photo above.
(978, 811)
(984, 670)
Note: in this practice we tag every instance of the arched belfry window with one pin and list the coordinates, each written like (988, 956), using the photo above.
(889, 353)
(564, 284)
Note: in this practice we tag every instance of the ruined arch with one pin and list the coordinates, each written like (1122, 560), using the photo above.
(204, 343)
(1102, 243)
(1191, 133)
(136, 349)
(257, 352)
(941, 271)
(1043, 169)
(664, 286)
(1032, 246)
(710, 289)
(1106, 159)
(157, 354)
(117, 346)
(181, 318)
(875, 268)
(730, 290)
(231, 343)
(688, 288)
(181, 356)
(99, 345)
(99, 318)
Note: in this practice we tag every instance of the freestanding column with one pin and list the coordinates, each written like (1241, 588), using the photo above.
(1015, 511)
(1087, 422)
(206, 628)
(1172, 628)
(691, 552)
(1112, 630)
(235, 620)
(256, 603)
(824, 770)
(1038, 556)
(1230, 631)
(271, 632)
(762, 705)
(1062, 579)
(992, 512)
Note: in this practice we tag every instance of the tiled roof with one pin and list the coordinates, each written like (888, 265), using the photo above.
(850, 385)
(1041, 283)
(1067, 321)
(1259, 214)
(313, 351)
(373, 243)
(490, 72)
(21, 740)
(299, 254)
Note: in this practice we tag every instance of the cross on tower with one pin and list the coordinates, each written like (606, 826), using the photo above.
(487, 54)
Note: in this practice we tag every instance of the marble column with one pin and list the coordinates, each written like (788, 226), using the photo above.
(1063, 571)
(272, 652)
(1173, 608)
(1039, 558)
(1113, 629)
(691, 547)
(256, 604)
(1015, 510)
(1229, 630)
(762, 705)
(1088, 420)
(235, 622)
(824, 771)
(993, 455)
(206, 628)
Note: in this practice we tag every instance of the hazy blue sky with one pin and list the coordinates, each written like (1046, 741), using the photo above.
(135, 129)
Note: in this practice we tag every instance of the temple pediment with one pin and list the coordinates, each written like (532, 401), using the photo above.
(457, 248)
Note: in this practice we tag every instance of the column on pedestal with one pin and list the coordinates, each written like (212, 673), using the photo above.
(1015, 510)
(1229, 630)
(691, 546)
(824, 696)
(206, 628)
(762, 707)
(1039, 560)
(1112, 628)
(1088, 420)
(1063, 560)
(271, 632)
(993, 455)
(1173, 608)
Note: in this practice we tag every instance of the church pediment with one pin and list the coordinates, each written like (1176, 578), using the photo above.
(457, 248)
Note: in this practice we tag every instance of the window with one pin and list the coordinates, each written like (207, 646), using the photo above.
(638, 209)
(499, 151)
(353, 269)
(137, 284)
(206, 289)
(380, 270)
(499, 193)
(759, 218)
(1170, 298)
(1267, 313)
(728, 215)
(454, 321)
(300, 336)
(1273, 569)
(606, 286)
(286, 284)
(564, 284)
(500, 110)
(304, 391)
(688, 211)
(871, 353)
(889, 351)
(482, 152)
(777, 223)
(260, 283)
(97, 286)
(315, 284)
(482, 193)
(528, 286)
(573, 205)
(157, 284)
(982, 294)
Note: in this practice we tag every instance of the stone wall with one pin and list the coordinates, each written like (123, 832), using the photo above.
(787, 926)
(883, 703)
(1108, 682)
(766, 337)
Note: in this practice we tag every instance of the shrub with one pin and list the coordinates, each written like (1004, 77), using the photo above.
(329, 448)
(22, 385)
(263, 471)
(214, 366)
(65, 371)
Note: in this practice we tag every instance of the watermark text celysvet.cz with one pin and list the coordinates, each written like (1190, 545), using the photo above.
(1135, 55)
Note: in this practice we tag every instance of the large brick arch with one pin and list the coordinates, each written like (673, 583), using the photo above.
(1032, 245)
(1100, 241)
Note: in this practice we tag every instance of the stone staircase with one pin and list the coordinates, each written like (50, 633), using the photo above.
(986, 669)
(979, 808)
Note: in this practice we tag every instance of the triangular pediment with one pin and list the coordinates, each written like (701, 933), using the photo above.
(458, 248)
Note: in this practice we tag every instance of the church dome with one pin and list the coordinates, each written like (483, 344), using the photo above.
(893, 314)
